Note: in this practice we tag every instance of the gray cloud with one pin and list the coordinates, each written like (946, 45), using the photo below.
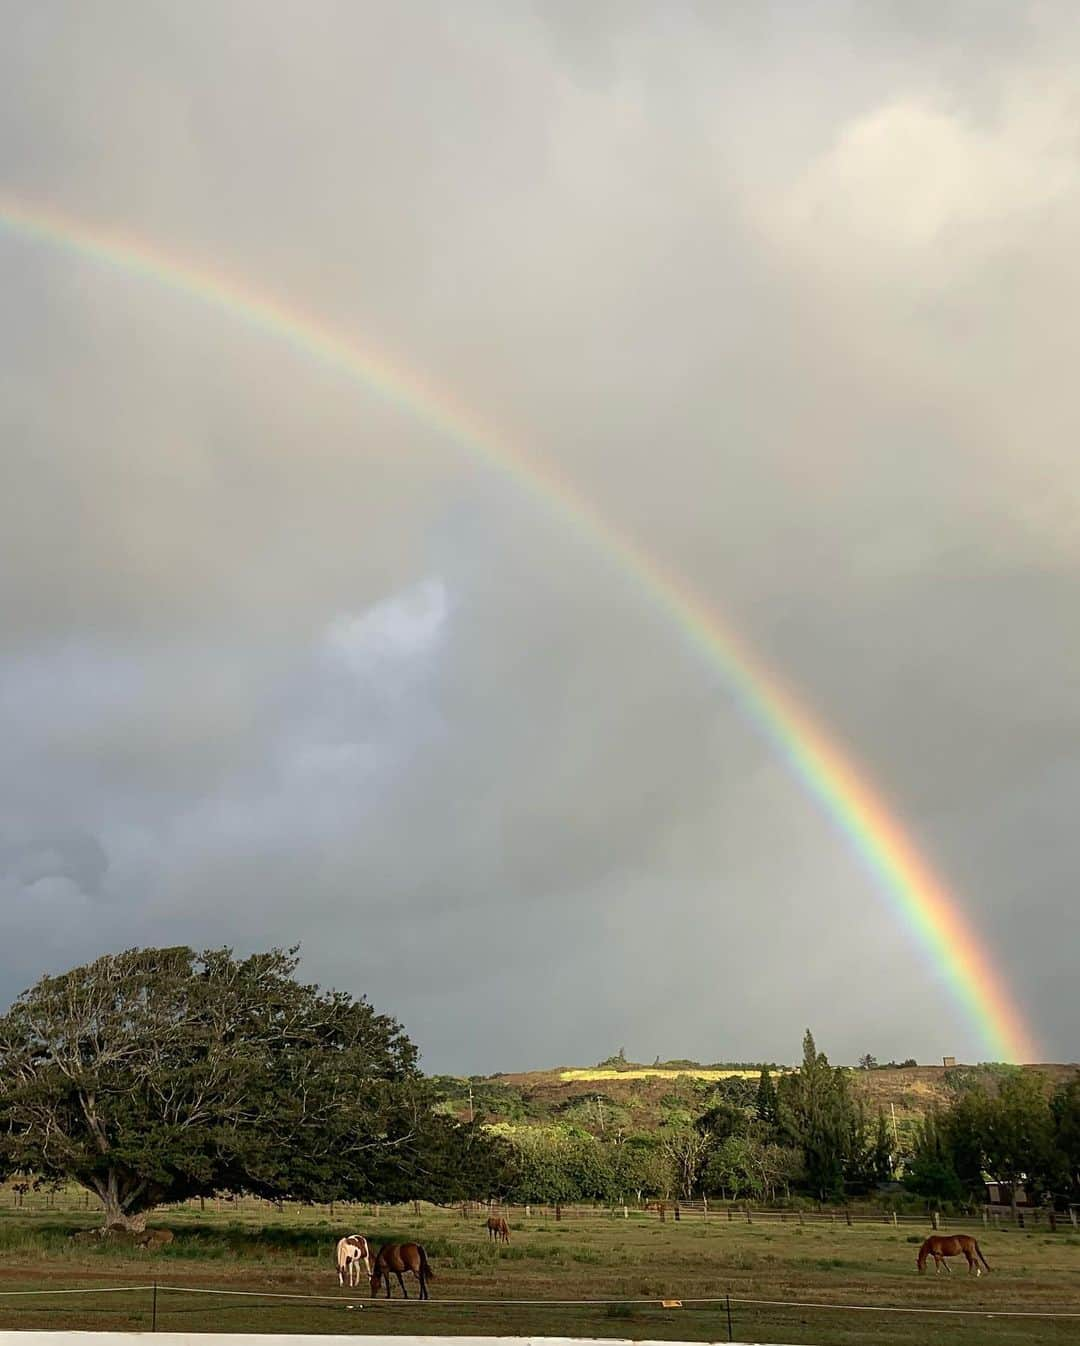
(787, 294)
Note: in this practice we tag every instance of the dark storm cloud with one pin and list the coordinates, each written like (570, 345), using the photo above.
(786, 292)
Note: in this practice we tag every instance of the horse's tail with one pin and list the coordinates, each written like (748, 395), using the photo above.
(425, 1265)
(979, 1254)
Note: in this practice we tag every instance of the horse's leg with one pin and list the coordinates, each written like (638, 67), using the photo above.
(401, 1282)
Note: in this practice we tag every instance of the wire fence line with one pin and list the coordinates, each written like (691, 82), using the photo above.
(717, 1302)
(22, 1197)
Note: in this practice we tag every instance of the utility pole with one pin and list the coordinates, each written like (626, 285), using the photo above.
(895, 1133)
(472, 1115)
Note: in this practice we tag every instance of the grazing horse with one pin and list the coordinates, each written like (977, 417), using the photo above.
(396, 1258)
(352, 1252)
(943, 1246)
(498, 1229)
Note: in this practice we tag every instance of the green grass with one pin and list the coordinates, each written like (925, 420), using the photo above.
(589, 1258)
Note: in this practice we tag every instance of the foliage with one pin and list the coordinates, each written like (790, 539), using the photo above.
(766, 1103)
(931, 1170)
(818, 1117)
(881, 1156)
(562, 1163)
(616, 1062)
(1065, 1109)
(156, 1075)
(687, 1149)
(1002, 1125)
(489, 1098)
(748, 1166)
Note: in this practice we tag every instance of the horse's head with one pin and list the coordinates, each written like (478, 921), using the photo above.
(376, 1280)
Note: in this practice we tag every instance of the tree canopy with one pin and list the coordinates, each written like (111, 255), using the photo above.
(155, 1075)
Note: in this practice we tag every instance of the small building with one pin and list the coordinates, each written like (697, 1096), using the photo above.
(948, 1062)
(997, 1194)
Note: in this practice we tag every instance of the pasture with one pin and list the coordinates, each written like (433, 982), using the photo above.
(587, 1258)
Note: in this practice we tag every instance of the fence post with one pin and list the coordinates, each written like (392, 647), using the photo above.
(153, 1311)
(748, 1219)
(935, 1219)
(895, 1221)
(1072, 1215)
(730, 1330)
(729, 1215)
(847, 1214)
(558, 1211)
(625, 1212)
(1052, 1217)
(986, 1218)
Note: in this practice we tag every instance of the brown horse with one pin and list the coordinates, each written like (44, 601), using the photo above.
(396, 1258)
(498, 1229)
(943, 1246)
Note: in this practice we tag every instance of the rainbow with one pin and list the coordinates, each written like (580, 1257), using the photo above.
(918, 897)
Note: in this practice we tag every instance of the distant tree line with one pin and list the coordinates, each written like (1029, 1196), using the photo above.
(1007, 1125)
(799, 1132)
(156, 1075)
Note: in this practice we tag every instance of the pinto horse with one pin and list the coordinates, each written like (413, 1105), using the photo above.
(498, 1229)
(943, 1246)
(397, 1258)
(352, 1252)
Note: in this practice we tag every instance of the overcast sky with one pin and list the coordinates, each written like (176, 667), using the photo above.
(788, 291)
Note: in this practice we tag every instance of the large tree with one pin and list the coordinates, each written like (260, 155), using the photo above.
(1066, 1113)
(156, 1075)
(819, 1118)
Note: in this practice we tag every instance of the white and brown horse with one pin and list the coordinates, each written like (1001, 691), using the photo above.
(352, 1254)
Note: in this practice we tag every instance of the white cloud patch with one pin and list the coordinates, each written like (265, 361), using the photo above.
(917, 183)
(397, 629)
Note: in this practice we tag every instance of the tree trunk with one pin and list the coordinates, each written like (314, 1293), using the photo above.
(109, 1194)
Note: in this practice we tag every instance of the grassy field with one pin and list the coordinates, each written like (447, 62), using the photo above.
(602, 1258)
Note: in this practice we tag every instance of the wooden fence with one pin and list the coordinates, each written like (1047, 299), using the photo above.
(70, 1200)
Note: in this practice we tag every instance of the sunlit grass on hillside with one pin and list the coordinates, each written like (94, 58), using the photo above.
(656, 1072)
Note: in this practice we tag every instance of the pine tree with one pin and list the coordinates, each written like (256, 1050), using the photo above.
(819, 1117)
(881, 1162)
(765, 1105)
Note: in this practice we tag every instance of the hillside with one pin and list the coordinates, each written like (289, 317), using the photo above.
(630, 1097)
